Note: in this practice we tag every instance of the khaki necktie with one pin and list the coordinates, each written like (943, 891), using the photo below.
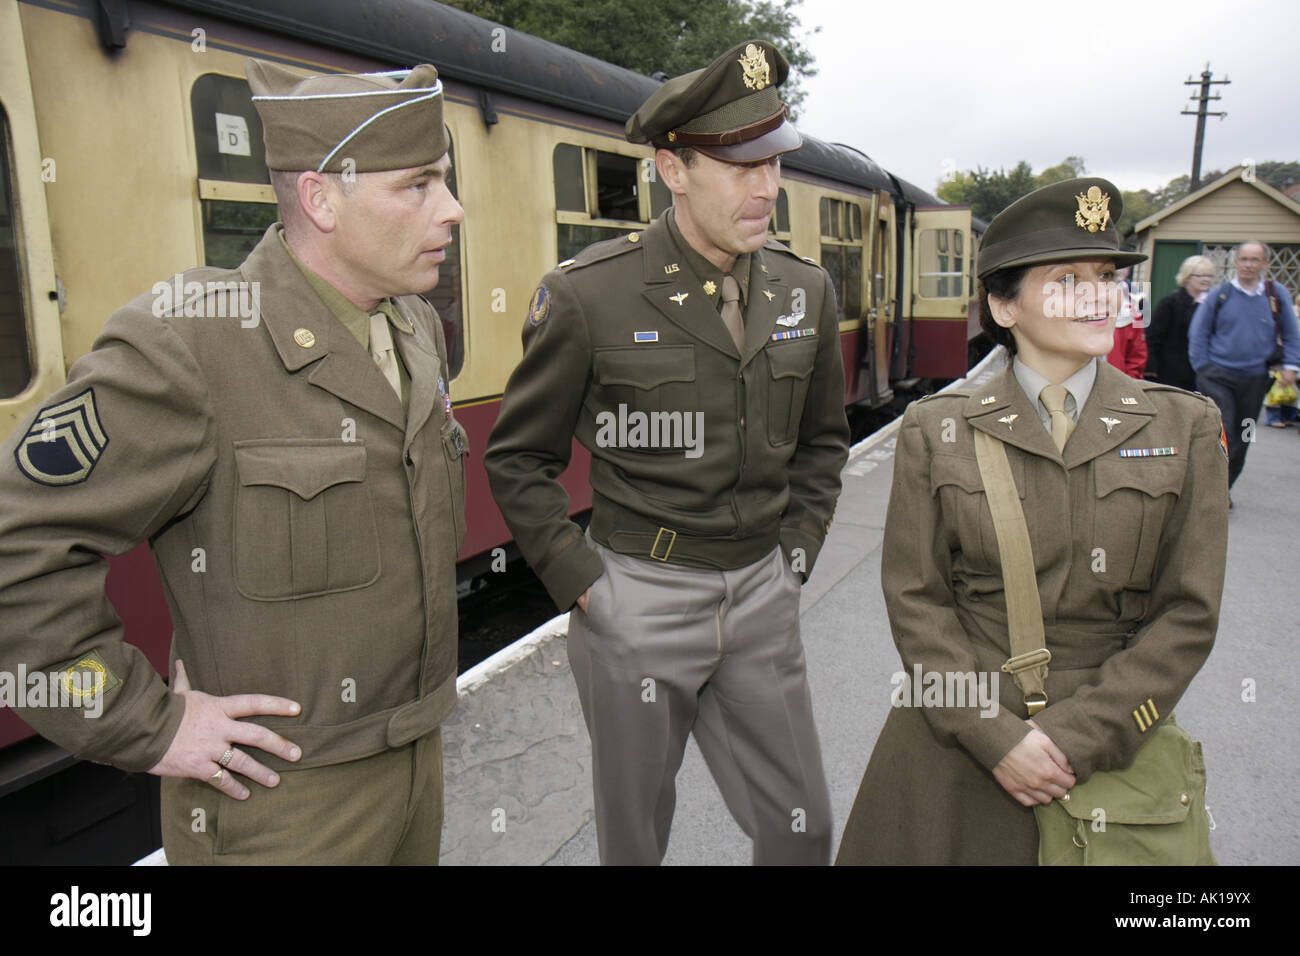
(731, 315)
(1053, 399)
(381, 350)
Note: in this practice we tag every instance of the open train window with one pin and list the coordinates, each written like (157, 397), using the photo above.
(237, 203)
(600, 195)
(941, 254)
(15, 354)
(779, 227)
(841, 252)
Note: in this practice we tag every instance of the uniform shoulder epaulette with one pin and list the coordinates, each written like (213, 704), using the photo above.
(776, 246)
(951, 393)
(187, 294)
(600, 251)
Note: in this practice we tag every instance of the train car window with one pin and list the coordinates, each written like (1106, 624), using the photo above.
(616, 178)
(15, 356)
(232, 229)
(570, 194)
(780, 224)
(940, 257)
(227, 131)
(597, 197)
(841, 249)
(448, 297)
(660, 197)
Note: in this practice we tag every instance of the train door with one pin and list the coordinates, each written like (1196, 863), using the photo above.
(941, 290)
(883, 309)
(31, 344)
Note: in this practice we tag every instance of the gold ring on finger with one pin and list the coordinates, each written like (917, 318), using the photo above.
(217, 777)
(226, 757)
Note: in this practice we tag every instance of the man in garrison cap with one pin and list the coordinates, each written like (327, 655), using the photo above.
(297, 471)
(699, 362)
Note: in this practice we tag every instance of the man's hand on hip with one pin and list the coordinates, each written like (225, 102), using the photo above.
(205, 744)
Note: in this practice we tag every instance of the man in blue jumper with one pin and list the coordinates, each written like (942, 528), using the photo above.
(1231, 338)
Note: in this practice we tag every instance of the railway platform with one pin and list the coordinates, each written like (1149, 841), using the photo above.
(518, 760)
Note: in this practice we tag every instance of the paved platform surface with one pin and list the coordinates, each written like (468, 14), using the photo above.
(518, 760)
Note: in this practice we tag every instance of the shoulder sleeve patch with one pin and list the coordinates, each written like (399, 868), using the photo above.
(540, 307)
(64, 442)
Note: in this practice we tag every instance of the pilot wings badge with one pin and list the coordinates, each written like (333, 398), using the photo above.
(753, 64)
(790, 320)
(1094, 210)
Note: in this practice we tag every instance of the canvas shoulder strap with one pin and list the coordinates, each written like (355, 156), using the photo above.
(1029, 653)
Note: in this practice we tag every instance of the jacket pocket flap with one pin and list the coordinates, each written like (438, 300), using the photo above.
(647, 366)
(792, 361)
(1151, 476)
(965, 473)
(304, 466)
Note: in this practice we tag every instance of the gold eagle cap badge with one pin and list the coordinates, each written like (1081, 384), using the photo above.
(1094, 210)
(754, 68)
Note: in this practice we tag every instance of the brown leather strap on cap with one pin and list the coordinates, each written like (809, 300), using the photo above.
(729, 137)
(1029, 654)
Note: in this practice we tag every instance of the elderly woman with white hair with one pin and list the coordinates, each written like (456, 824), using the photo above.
(1167, 360)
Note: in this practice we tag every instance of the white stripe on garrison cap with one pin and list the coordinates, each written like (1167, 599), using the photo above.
(397, 106)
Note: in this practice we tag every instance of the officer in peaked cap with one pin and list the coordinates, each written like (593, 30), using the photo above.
(297, 472)
(1122, 484)
(699, 363)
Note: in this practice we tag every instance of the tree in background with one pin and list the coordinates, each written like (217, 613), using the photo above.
(651, 36)
(988, 192)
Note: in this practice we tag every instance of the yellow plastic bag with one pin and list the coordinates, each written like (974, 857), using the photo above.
(1280, 394)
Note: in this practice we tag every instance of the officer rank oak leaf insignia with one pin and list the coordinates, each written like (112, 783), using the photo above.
(64, 442)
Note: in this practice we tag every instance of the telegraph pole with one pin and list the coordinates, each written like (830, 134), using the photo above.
(1200, 113)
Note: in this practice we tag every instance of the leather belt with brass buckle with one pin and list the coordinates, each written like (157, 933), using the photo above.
(654, 550)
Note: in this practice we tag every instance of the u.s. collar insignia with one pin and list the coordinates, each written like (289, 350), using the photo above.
(1128, 400)
(1094, 209)
(754, 69)
(1109, 423)
(988, 399)
(539, 308)
(680, 297)
(789, 320)
(64, 442)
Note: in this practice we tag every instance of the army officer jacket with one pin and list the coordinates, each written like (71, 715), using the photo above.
(624, 336)
(1129, 536)
(305, 528)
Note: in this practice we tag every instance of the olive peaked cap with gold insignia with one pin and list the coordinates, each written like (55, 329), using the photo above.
(729, 110)
(1073, 219)
(377, 121)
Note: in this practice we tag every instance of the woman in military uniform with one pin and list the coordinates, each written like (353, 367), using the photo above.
(1123, 485)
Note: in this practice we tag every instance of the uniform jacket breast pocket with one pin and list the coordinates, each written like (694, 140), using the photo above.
(304, 523)
(957, 482)
(646, 379)
(791, 366)
(1133, 501)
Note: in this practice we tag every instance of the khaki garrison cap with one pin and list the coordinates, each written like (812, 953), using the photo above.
(729, 110)
(1074, 219)
(379, 121)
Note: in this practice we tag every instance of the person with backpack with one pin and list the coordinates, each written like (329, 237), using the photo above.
(1233, 341)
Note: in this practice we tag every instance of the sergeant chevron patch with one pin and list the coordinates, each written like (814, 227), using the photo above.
(64, 442)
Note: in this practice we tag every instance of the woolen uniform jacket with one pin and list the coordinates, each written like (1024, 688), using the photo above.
(305, 529)
(627, 324)
(1129, 553)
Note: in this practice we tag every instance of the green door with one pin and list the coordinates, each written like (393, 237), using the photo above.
(1168, 257)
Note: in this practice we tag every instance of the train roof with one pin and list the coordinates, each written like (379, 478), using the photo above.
(461, 46)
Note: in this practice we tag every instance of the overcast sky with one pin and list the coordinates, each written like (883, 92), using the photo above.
(924, 86)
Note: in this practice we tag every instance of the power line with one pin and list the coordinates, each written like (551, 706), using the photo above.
(1205, 82)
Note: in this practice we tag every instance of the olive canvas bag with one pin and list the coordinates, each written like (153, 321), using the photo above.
(1151, 813)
